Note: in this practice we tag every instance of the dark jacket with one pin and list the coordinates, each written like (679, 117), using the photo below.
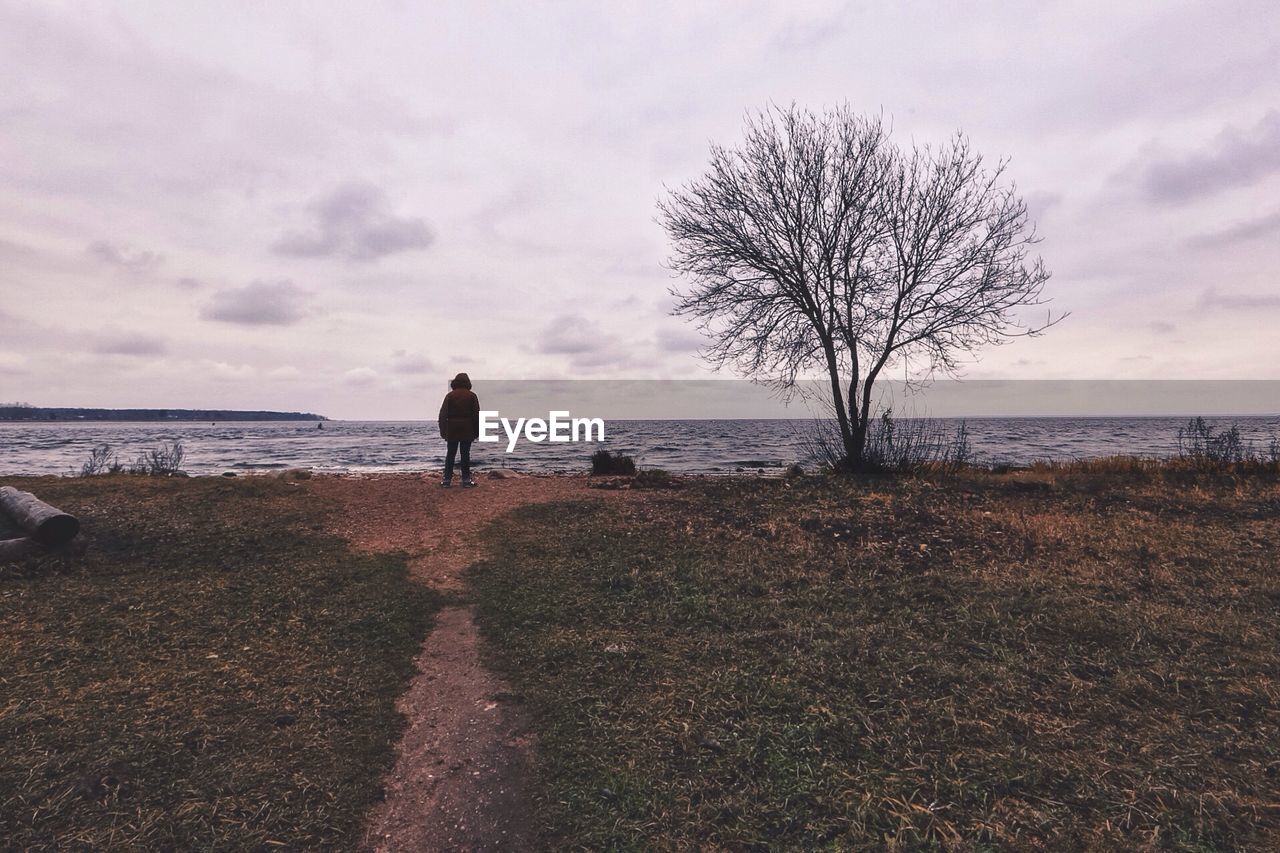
(460, 413)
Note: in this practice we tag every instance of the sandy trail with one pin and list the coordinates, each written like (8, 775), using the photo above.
(461, 772)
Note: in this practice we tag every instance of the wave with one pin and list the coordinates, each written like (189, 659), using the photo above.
(678, 446)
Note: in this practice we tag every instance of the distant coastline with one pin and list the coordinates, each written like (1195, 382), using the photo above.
(39, 413)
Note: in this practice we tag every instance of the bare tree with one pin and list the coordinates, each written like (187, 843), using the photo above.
(819, 245)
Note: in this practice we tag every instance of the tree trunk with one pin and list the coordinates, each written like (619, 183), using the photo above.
(837, 400)
(858, 444)
(46, 524)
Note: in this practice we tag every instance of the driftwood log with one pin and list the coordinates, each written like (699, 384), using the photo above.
(45, 524)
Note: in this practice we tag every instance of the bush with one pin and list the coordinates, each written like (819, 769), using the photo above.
(1199, 440)
(163, 461)
(604, 463)
(101, 461)
(896, 446)
(915, 444)
(1205, 444)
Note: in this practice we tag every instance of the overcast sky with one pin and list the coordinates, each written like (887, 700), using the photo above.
(335, 207)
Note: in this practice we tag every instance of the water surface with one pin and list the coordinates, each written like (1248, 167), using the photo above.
(697, 446)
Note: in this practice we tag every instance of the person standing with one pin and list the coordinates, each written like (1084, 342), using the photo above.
(459, 426)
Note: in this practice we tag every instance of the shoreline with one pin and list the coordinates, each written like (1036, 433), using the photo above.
(707, 447)
(1131, 463)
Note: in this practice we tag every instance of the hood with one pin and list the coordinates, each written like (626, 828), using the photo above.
(462, 380)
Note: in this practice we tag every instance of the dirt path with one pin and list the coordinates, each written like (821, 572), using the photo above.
(460, 778)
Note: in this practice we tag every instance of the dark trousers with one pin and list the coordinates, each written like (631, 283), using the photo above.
(466, 460)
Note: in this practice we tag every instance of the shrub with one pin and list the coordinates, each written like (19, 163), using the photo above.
(101, 461)
(163, 461)
(1207, 446)
(1199, 440)
(896, 446)
(604, 463)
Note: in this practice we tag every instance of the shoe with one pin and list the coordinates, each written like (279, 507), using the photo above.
(468, 483)
(445, 483)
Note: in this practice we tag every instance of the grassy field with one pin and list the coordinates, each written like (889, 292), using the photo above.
(212, 672)
(1062, 658)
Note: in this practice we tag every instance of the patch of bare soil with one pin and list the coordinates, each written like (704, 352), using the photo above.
(461, 772)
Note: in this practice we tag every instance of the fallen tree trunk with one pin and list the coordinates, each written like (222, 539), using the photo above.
(46, 524)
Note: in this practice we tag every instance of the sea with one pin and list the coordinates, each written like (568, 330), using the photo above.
(680, 446)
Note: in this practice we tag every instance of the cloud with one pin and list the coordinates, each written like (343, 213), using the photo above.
(1211, 298)
(128, 343)
(360, 376)
(1039, 204)
(570, 334)
(324, 179)
(1251, 229)
(680, 340)
(651, 269)
(355, 222)
(228, 372)
(261, 303)
(12, 363)
(1161, 327)
(411, 362)
(1235, 158)
(10, 249)
(799, 34)
(127, 258)
(588, 347)
(284, 373)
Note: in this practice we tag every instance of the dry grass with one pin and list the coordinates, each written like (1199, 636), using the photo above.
(213, 672)
(1078, 656)
(1056, 657)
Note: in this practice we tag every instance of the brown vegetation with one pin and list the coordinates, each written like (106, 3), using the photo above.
(1062, 656)
(210, 671)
